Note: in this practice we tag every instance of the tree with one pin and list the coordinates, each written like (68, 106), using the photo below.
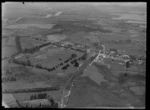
(18, 44)
(76, 64)
(73, 55)
(127, 65)
(9, 61)
(23, 63)
(53, 103)
(38, 66)
(133, 57)
(61, 64)
(25, 50)
(28, 63)
(31, 98)
(53, 68)
(19, 104)
(84, 56)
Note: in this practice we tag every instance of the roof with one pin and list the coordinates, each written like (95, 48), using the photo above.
(126, 56)
(114, 50)
(141, 58)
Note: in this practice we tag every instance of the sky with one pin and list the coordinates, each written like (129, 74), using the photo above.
(46, 4)
(94, 3)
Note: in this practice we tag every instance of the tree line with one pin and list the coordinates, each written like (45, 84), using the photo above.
(27, 90)
(53, 103)
(74, 62)
(39, 96)
(28, 50)
(34, 49)
(8, 79)
(18, 43)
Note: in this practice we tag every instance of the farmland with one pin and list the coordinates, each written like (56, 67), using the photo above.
(77, 55)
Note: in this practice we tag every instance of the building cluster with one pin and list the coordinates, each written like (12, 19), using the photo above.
(113, 53)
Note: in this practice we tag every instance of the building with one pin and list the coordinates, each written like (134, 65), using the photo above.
(67, 43)
(113, 52)
(141, 59)
(125, 57)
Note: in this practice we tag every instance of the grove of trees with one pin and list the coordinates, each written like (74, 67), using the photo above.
(34, 49)
(18, 43)
(74, 62)
(39, 96)
(53, 103)
(8, 79)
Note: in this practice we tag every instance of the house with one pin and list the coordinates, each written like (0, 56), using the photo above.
(133, 57)
(18, 56)
(67, 43)
(113, 51)
(125, 57)
(141, 59)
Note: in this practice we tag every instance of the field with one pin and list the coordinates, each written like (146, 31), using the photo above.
(8, 51)
(23, 26)
(56, 38)
(91, 95)
(26, 42)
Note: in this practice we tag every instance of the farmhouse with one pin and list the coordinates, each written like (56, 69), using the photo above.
(125, 57)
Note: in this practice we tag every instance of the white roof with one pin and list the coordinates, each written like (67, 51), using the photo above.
(125, 55)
